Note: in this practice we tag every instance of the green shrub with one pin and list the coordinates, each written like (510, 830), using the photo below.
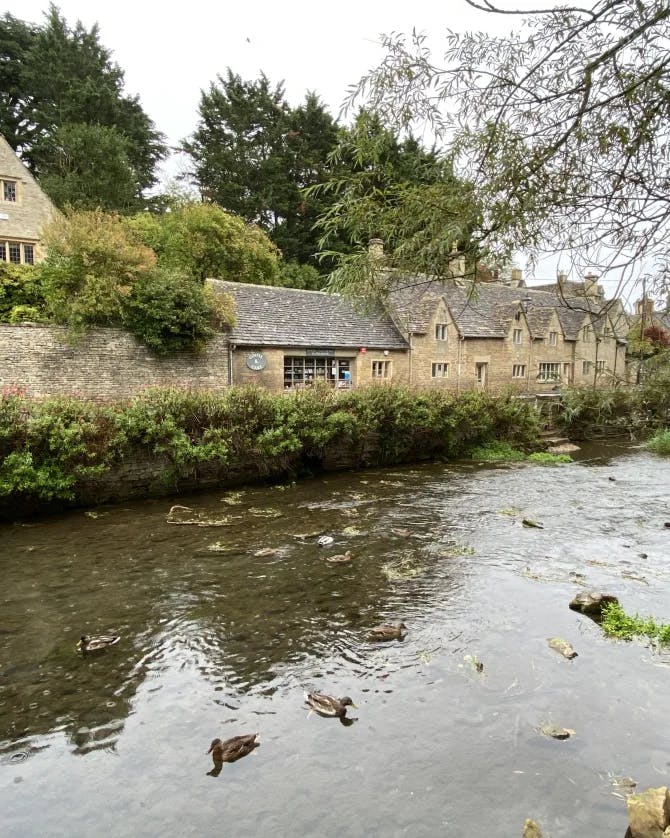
(546, 459)
(21, 293)
(616, 623)
(660, 442)
(496, 452)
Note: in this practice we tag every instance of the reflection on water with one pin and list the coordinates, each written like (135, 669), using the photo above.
(227, 621)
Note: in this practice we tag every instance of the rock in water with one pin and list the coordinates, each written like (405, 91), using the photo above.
(591, 602)
(562, 646)
(531, 829)
(649, 813)
(557, 732)
(528, 523)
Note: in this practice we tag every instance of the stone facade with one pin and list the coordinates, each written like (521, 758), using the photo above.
(24, 210)
(105, 364)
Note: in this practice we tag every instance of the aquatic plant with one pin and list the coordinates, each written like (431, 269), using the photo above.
(496, 451)
(545, 458)
(616, 623)
(660, 442)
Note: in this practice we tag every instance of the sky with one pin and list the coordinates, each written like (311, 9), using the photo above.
(170, 52)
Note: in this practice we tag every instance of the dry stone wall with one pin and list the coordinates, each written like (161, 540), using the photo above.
(104, 364)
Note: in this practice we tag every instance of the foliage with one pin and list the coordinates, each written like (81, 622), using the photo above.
(88, 166)
(62, 91)
(660, 442)
(205, 241)
(545, 458)
(496, 452)
(92, 264)
(253, 154)
(21, 293)
(394, 190)
(616, 623)
(297, 275)
(48, 448)
(560, 125)
(169, 312)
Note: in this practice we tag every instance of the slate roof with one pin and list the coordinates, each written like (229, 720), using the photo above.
(272, 316)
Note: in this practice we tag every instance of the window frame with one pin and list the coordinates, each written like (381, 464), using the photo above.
(517, 337)
(444, 365)
(516, 368)
(549, 375)
(382, 366)
(553, 338)
(10, 185)
(441, 332)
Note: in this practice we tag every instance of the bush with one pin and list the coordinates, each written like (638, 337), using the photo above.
(21, 293)
(169, 312)
(660, 443)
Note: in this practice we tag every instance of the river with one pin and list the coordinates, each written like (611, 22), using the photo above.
(218, 640)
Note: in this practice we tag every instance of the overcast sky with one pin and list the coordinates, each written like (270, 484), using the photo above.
(169, 53)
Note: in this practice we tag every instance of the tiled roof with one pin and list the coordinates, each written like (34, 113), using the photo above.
(272, 316)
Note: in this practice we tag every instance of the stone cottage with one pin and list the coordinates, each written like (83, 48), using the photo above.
(24, 210)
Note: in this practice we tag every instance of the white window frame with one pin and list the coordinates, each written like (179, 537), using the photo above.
(381, 370)
(441, 331)
(518, 371)
(547, 374)
(440, 369)
(553, 338)
(517, 337)
(587, 334)
(10, 184)
(585, 367)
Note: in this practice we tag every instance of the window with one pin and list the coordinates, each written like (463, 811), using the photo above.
(553, 338)
(566, 372)
(17, 253)
(481, 372)
(303, 371)
(587, 331)
(516, 337)
(585, 367)
(519, 371)
(440, 331)
(381, 369)
(9, 190)
(517, 316)
(600, 366)
(549, 372)
(440, 370)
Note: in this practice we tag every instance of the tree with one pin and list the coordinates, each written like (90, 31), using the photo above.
(203, 241)
(253, 155)
(561, 127)
(391, 189)
(92, 264)
(60, 79)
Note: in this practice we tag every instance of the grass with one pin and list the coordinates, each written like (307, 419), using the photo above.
(616, 623)
(660, 442)
(503, 452)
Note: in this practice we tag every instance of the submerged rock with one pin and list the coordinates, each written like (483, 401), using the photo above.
(649, 813)
(528, 523)
(557, 732)
(562, 646)
(531, 829)
(592, 602)
(186, 516)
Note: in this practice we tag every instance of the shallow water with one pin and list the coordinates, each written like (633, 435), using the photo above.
(218, 641)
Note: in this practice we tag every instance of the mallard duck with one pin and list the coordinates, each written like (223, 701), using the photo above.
(97, 643)
(326, 705)
(229, 750)
(387, 632)
(340, 558)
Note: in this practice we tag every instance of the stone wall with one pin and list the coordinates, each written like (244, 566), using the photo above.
(104, 364)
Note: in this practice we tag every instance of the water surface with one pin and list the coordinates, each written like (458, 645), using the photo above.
(218, 640)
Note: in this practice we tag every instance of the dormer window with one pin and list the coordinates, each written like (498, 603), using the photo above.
(440, 331)
(587, 332)
(553, 338)
(516, 337)
(9, 190)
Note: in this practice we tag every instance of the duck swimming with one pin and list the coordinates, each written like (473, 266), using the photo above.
(340, 558)
(326, 705)
(387, 632)
(97, 643)
(232, 749)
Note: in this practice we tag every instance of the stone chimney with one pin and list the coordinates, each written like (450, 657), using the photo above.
(561, 279)
(591, 287)
(644, 306)
(456, 260)
(516, 278)
(376, 249)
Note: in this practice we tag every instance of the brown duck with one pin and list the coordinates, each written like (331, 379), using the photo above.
(327, 705)
(387, 632)
(232, 749)
(97, 643)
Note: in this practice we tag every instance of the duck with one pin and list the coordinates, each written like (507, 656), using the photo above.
(229, 750)
(327, 705)
(340, 558)
(387, 632)
(97, 643)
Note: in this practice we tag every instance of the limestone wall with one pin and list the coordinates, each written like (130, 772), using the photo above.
(105, 364)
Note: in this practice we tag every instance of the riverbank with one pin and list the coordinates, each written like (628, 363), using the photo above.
(64, 453)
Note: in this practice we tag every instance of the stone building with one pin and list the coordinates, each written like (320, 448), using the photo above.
(24, 210)
(285, 338)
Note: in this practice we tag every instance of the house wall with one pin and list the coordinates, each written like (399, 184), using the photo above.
(105, 364)
(23, 219)
(427, 350)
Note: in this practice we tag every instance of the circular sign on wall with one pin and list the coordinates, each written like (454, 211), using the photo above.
(256, 361)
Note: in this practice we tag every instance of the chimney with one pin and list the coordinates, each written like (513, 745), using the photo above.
(561, 278)
(591, 287)
(376, 249)
(456, 260)
(516, 278)
(644, 306)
